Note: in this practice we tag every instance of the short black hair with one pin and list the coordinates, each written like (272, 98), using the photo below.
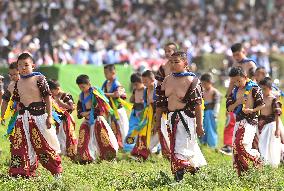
(24, 56)
(53, 84)
(236, 47)
(237, 71)
(260, 68)
(109, 67)
(13, 66)
(136, 78)
(267, 82)
(206, 78)
(83, 79)
(251, 73)
(180, 54)
(172, 44)
(148, 74)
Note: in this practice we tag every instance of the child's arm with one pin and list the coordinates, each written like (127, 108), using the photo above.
(258, 101)
(161, 103)
(46, 95)
(47, 100)
(80, 113)
(277, 110)
(113, 95)
(232, 107)
(199, 118)
(277, 131)
(66, 102)
(69, 105)
(230, 88)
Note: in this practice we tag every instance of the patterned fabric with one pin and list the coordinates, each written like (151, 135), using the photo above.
(243, 154)
(43, 86)
(193, 97)
(257, 101)
(30, 142)
(66, 135)
(35, 108)
(96, 141)
(185, 152)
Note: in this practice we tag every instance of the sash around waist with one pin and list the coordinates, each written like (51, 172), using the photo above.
(35, 108)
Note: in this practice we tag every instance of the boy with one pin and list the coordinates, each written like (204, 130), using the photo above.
(96, 138)
(66, 127)
(245, 63)
(116, 94)
(137, 100)
(161, 118)
(184, 103)
(211, 111)
(147, 139)
(248, 65)
(268, 126)
(260, 74)
(245, 101)
(8, 109)
(34, 135)
(14, 76)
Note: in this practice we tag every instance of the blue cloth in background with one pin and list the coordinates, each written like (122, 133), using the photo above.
(210, 128)
(133, 123)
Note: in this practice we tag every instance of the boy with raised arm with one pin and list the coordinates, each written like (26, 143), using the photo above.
(246, 100)
(116, 94)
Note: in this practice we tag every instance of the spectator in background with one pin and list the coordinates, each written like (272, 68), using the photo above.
(114, 30)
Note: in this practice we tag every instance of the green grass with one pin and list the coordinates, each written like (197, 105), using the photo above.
(153, 174)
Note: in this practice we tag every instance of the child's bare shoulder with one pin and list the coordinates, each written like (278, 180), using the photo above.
(189, 80)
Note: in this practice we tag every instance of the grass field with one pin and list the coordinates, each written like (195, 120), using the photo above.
(153, 174)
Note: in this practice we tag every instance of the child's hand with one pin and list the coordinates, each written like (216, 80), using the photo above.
(85, 114)
(116, 94)
(48, 122)
(277, 133)
(247, 110)
(199, 131)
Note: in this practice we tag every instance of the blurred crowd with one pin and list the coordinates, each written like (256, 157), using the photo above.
(134, 31)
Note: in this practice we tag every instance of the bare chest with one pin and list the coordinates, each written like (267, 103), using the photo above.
(28, 88)
(177, 87)
(208, 95)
